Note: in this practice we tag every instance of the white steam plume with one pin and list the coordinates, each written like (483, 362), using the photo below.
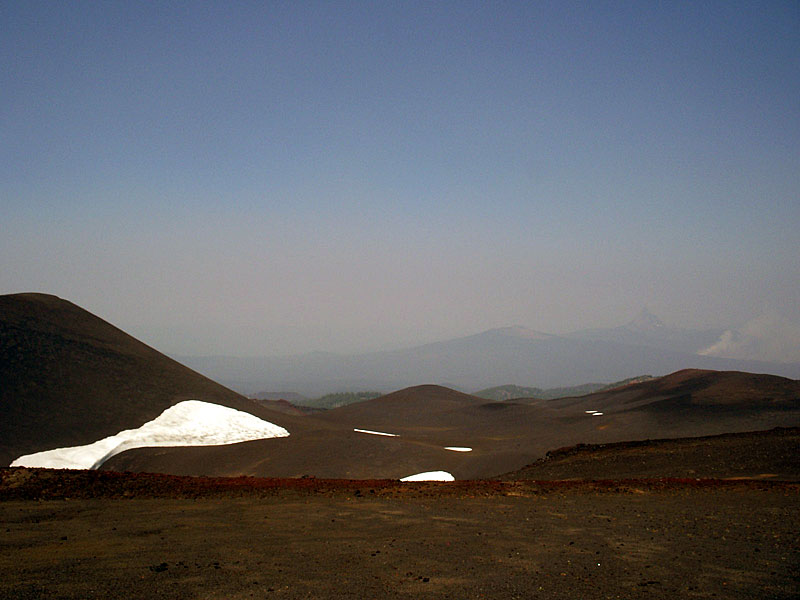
(768, 337)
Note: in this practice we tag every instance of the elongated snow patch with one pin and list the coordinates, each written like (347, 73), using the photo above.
(189, 423)
(458, 448)
(430, 476)
(375, 432)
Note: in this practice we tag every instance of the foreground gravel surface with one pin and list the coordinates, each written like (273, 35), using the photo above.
(732, 540)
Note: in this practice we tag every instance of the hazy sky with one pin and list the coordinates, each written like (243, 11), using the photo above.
(246, 179)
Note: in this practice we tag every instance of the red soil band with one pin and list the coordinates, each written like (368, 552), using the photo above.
(53, 484)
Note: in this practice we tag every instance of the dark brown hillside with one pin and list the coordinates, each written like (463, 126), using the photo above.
(764, 455)
(695, 402)
(69, 378)
(684, 404)
(714, 388)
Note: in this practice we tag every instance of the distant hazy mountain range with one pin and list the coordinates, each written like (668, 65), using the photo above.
(513, 392)
(511, 355)
(499, 393)
(648, 330)
(327, 401)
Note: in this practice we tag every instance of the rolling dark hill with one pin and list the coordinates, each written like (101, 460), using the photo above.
(683, 404)
(69, 378)
(513, 392)
(770, 455)
(697, 392)
(502, 436)
(425, 401)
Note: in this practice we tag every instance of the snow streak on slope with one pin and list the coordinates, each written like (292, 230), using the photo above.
(189, 423)
(370, 432)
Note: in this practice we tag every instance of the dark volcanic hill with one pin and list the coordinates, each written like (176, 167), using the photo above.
(683, 404)
(69, 378)
(697, 393)
(503, 436)
(772, 454)
(429, 402)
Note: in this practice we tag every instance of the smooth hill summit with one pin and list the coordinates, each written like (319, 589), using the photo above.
(424, 400)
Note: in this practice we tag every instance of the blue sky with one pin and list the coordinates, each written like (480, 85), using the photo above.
(266, 178)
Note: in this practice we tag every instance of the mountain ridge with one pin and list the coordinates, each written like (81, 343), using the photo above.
(494, 357)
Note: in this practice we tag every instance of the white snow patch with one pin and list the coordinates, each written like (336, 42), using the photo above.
(189, 423)
(597, 414)
(458, 448)
(430, 476)
(375, 432)
(589, 412)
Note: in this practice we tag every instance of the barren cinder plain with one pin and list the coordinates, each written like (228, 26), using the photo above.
(146, 536)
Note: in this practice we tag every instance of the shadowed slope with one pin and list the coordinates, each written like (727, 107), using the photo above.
(773, 454)
(693, 396)
(69, 378)
(721, 388)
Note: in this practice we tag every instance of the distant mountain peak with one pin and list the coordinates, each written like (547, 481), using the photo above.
(517, 331)
(645, 321)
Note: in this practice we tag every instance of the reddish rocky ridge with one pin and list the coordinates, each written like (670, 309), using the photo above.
(55, 484)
